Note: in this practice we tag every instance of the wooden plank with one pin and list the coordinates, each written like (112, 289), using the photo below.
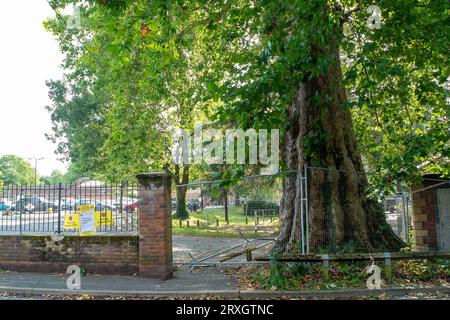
(231, 256)
(359, 257)
(247, 252)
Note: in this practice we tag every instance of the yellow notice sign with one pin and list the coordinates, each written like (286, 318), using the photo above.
(85, 207)
(103, 218)
(72, 221)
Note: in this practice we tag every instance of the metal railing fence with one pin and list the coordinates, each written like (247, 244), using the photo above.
(41, 209)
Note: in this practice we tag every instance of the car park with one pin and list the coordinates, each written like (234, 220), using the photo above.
(34, 204)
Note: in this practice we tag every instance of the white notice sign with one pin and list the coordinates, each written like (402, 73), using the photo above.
(87, 221)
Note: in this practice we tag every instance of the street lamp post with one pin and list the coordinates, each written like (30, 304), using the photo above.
(35, 168)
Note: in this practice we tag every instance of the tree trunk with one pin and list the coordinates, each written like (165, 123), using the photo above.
(225, 205)
(320, 134)
(181, 212)
(181, 179)
(202, 203)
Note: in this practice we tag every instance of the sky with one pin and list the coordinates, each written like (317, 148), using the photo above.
(28, 57)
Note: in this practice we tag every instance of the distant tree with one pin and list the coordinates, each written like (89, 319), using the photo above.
(56, 177)
(45, 180)
(76, 118)
(15, 170)
(76, 172)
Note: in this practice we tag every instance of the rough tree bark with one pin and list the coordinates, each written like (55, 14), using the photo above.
(320, 134)
(181, 178)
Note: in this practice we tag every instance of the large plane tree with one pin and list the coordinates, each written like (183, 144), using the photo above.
(310, 68)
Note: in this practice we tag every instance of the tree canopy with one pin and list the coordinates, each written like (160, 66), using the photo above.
(15, 171)
(135, 69)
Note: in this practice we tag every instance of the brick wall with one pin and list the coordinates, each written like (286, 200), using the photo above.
(149, 254)
(424, 216)
(96, 254)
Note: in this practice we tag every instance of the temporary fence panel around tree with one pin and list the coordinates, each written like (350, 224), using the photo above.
(328, 218)
(337, 219)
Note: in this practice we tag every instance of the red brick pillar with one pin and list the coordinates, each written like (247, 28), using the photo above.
(155, 225)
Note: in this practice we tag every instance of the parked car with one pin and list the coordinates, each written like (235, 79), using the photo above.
(193, 204)
(174, 204)
(99, 206)
(117, 202)
(34, 204)
(131, 207)
(5, 205)
(68, 204)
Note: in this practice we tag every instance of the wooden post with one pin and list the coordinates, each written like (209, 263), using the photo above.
(388, 266)
(248, 253)
(325, 267)
(198, 223)
(187, 223)
(181, 223)
(217, 223)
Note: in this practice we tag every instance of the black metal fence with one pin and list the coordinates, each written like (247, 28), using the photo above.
(42, 209)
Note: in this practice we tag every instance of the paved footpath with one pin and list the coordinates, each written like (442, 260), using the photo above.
(202, 247)
(199, 280)
(197, 284)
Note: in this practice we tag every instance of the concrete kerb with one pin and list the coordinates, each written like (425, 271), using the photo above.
(103, 293)
(231, 294)
(343, 293)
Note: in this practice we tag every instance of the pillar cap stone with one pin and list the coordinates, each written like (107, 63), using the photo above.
(154, 179)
